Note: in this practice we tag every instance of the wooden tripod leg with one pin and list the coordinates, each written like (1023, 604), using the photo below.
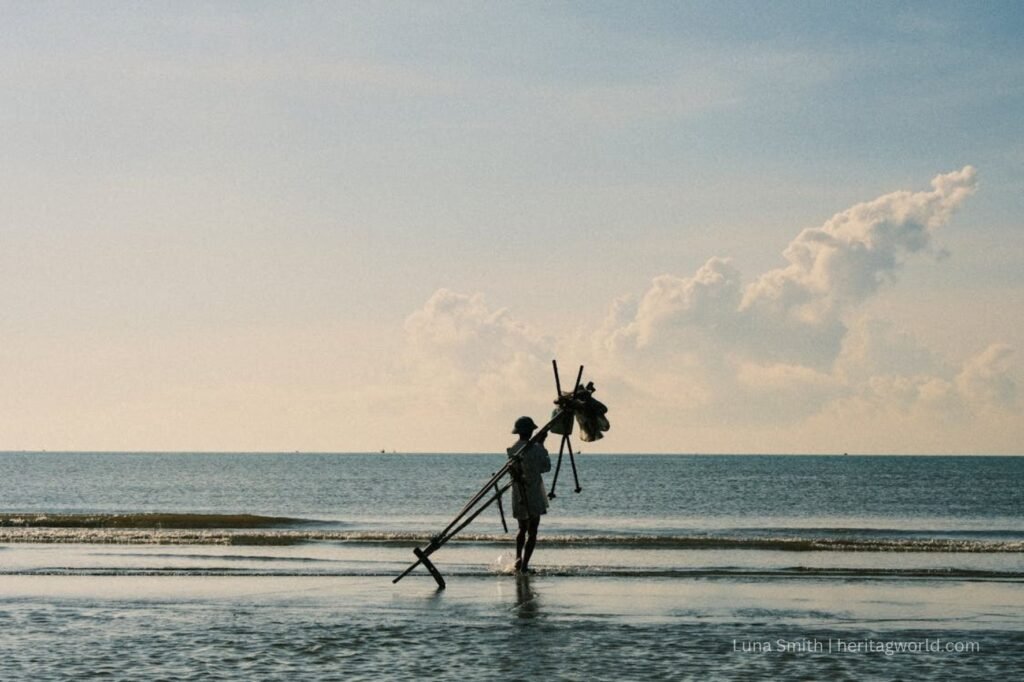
(572, 460)
(430, 567)
(501, 509)
(558, 467)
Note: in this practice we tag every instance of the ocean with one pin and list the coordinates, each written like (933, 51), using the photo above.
(280, 566)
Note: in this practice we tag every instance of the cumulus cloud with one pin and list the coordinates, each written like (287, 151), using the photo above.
(706, 300)
(971, 408)
(874, 347)
(797, 313)
(986, 381)
(793, 343)
(710, 354)
(464, 329)
(836, 266)
(459, 348)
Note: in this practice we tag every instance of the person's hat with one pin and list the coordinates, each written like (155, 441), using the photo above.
(523, 424)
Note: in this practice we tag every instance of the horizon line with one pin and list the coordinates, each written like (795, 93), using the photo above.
(495, 452)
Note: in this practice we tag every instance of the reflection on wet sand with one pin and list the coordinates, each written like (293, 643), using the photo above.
(527, 599)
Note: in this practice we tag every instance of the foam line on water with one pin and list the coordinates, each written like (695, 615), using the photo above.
(815, 543)
(147, 520)
(796, 572)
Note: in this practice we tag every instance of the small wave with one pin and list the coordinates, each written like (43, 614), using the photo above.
(794, 573)
(795, 544)
(847, 531)
(216, 557)
(229, 536)
(791, 572)
(147, 520)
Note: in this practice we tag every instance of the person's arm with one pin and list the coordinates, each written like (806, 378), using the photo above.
(543, 459)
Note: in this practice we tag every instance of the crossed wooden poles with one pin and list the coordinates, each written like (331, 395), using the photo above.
(491, 492)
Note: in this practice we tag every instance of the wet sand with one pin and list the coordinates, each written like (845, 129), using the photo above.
(363, 627)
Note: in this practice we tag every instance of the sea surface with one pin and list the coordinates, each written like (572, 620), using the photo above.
(280, 566)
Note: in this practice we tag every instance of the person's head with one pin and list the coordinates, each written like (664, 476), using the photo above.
(524, 427)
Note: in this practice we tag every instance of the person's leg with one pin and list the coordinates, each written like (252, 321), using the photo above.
(532, 525)
(520, 541)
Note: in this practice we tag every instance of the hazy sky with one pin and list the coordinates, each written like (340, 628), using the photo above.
(763, 227)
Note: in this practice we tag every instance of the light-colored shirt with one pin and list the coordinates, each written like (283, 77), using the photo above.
(535, 461)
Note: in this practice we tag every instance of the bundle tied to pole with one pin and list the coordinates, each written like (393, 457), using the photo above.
(589, 412)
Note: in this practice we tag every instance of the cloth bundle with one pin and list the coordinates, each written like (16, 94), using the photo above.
(590, 415)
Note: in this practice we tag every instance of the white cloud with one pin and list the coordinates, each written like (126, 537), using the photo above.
(986, 381)
(467, 333)
(839, 264)
(705, 301)
(788, 357)
(792, 345)
(834, 268)
(874, 347)
(796, 314)
(970, 409)
(472, 359)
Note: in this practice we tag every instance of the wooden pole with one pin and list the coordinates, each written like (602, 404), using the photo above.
(461, 520)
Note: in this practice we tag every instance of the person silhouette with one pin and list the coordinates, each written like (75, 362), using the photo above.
(529, 497)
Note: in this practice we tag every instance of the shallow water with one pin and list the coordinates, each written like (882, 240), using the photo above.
(663, 568)
(486, 627)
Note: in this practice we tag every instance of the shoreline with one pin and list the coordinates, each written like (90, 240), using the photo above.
(827, 602)
(500, 626)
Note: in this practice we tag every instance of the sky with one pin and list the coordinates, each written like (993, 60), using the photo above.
(787, 227)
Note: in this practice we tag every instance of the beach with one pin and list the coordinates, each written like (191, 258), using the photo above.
(342, 628)
(125, 577)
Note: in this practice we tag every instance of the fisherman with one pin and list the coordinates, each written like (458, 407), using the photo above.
(529, 498)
